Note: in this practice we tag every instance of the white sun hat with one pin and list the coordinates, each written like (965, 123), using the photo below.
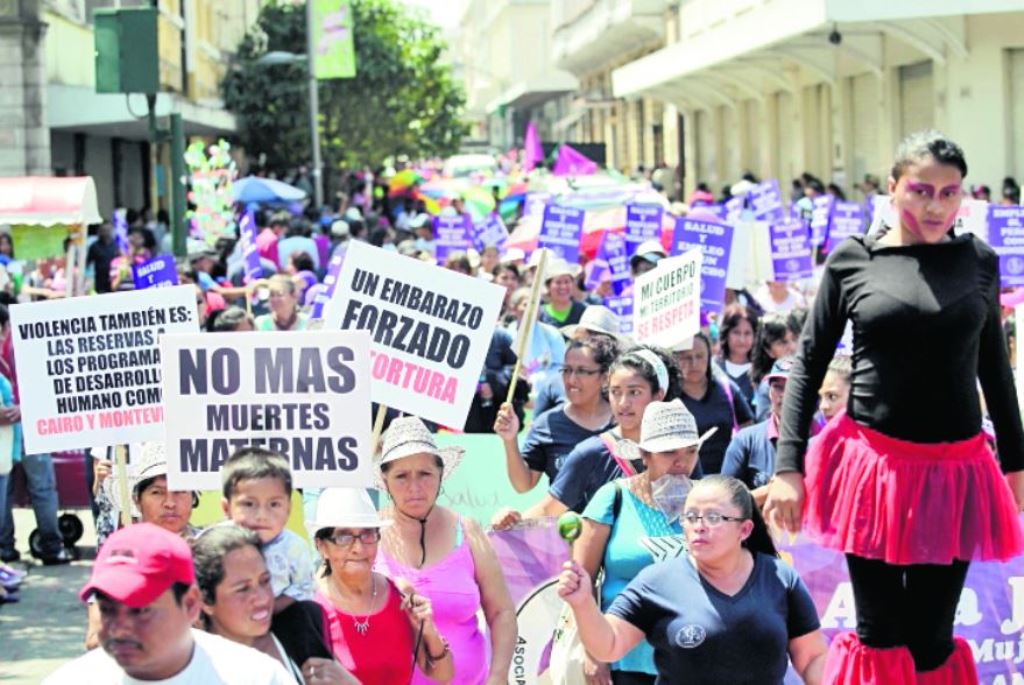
(669, 426)
(596, 318)
(345, 508)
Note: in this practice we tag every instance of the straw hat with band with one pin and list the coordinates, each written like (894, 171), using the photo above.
(345, 508)
(669, 426)
(596, 318)
(150, 463)
(405, 437)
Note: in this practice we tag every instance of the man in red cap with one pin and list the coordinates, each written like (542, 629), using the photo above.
(144, 583)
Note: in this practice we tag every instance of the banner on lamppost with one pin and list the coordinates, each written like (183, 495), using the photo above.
(332, 27)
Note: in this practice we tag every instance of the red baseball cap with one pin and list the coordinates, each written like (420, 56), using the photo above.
(139, 563)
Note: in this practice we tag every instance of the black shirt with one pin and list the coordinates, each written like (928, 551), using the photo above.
(926, 329)
(101, 254)
(713, 411)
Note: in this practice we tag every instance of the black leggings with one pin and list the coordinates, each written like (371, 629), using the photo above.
(631, 678)
(912, 606)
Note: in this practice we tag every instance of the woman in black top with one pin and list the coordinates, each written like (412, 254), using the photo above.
(904, 483)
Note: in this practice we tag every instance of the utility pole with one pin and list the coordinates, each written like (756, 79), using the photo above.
(314, 109)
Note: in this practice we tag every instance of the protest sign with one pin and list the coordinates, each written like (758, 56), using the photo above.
(791, 250)
(119, 222)
(490, 231)
(715, 241)
(431, 329)
(250, 252)
(304, 394)
(158, 272)
(643, 223)
(821, 218)
(666, 309)
(326, 292)
(847, 221)
(1006, 236)
(611, 262)
(561, 230)
(453, 234)
(90, 366)
(535, 203)
(766, 201)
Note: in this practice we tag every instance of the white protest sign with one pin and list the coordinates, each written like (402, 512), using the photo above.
(431, 329)
(89, 367)
(304, 394)
(666, 309)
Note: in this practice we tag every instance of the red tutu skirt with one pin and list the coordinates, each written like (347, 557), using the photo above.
(908, 503)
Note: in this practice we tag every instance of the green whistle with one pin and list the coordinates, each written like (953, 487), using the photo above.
(570, 525)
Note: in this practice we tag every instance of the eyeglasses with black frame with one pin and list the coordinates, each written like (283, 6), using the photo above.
(369, 536)
(712, 519)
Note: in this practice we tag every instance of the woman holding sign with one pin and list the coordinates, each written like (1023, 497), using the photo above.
(904, 482)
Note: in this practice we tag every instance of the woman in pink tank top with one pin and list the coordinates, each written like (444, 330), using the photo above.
(447, 559)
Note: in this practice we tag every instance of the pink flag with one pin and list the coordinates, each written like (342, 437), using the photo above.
(532, 151)
(572, 162)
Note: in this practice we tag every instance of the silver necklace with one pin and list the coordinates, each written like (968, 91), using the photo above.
(363, 627)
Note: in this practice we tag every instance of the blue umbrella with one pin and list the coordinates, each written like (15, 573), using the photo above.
(257, 189)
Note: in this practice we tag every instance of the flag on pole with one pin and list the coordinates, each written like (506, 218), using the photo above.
(532, 150)
(572, 162)
(333, 45)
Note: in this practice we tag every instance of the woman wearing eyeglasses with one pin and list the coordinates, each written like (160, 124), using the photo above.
(446, 557)
(729, 611)
(378, 629)
(556, 432)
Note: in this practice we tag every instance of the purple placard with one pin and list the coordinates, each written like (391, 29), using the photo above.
(453, 234)
(1006, 236)
(622, 305)
(490, 231)
(156, 273)
(561, 230)
(821, 219)
(329, 284)
(120, 224)
(847, 220)
(715, 242)
(791, 250)
(766, 201)
(611, 260)
(643, 222)
(250, 252)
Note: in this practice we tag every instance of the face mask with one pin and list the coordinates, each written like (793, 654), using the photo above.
(669, 494)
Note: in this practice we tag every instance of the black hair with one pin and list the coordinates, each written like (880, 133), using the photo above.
(710, 370)
(930, 143)
(5, 315)
(796, 319)
(458, 261)
(209, 550)
(506, 267)
(604, 349)
(774, 327)
(229, 319)
(253, 463)
(635, 362)
(732, 316)
(302, 261)
(759, 540)
(836, 192)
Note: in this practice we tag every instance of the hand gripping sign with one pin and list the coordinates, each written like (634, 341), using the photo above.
(90, 366)
(303, 394)
(430, 329)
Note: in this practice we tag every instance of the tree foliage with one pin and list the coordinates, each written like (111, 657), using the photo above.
(403, 101)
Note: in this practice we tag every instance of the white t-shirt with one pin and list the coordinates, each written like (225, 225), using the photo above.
(215, 661)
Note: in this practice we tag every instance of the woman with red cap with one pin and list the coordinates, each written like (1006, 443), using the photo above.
(904, 482)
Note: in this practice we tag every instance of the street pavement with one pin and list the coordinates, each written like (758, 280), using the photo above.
(47, 627)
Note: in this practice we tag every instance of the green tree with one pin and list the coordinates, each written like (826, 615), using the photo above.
(403, 101)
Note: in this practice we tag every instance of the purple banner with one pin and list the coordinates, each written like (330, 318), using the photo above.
(715, 242)
(611, 262)
(791, 250)
(453, 234)
(156, 273)
(330, 282)
(847, 220)
(490, 231)
(120, 223)
(534, 204)
(1006, 236)
(643, 222)
(766, 201)
(821, 219)
(561, 230)
(623, 307)
(250, 252)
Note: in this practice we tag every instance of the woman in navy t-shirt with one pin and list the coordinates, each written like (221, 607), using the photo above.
(729, 612)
